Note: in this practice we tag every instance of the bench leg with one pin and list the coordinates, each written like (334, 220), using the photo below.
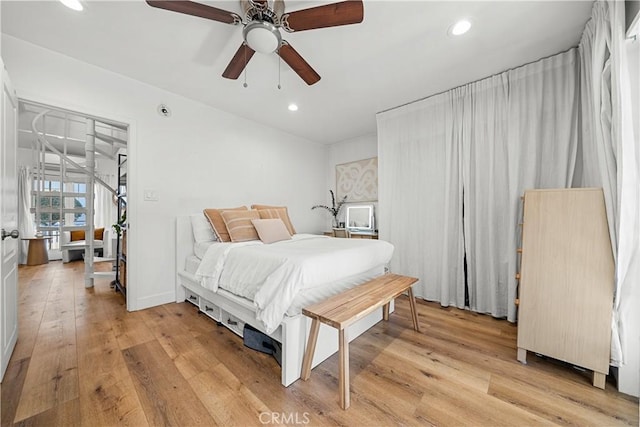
(307, 360)
(343, 377)
(414, 313)
(385, 312)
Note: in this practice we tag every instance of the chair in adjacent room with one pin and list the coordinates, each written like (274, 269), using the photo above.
(72, 243)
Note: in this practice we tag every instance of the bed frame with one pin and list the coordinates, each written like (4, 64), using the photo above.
(233, 312)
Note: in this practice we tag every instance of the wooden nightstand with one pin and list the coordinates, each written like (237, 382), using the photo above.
(364, 235)
(358, 234)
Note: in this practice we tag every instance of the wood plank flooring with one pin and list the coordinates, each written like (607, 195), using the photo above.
(83, 360)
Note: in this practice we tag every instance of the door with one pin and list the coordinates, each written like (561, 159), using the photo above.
(8, 222)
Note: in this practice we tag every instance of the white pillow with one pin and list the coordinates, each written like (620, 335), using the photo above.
(271, 230)
(202, 231)
(201, 248)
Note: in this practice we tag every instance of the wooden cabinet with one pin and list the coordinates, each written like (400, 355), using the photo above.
(355, 234)
(121, 277)
(566, 279)
(363, 235)
(122, 273)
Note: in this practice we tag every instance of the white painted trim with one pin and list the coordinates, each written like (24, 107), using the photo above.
(152, 300)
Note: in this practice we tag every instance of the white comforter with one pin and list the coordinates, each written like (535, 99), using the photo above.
(272, 275)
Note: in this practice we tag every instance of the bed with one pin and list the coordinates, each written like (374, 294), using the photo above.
(221, 278)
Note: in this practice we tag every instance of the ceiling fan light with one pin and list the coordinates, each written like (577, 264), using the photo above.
(460, 27)
(72, 4)
(262, 37)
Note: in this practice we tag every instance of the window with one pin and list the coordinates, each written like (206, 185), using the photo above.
(74, 198)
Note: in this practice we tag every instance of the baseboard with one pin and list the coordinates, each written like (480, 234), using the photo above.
(153, 300)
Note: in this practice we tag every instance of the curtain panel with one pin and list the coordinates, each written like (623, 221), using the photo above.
(105, 210)
(420, 196)
(475, 148)
(609, 149)
(25, 218)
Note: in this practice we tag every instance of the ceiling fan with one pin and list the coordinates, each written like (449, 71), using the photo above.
(261, 28)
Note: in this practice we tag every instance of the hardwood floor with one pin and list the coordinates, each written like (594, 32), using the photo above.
(82, 359)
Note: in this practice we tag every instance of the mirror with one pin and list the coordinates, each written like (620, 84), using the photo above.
(359, 217)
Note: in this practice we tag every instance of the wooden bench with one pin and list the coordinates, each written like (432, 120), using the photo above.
(341, 310)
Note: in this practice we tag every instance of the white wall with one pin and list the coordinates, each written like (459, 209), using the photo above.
(199, 157)
(350, 150)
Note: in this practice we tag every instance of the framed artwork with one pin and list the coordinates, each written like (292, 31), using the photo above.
(358, 180)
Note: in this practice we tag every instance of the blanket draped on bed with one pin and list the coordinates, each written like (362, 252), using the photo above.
(272, 275)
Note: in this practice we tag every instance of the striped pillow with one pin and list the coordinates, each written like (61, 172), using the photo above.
(239, 225)
(217, 223)
(272, 212)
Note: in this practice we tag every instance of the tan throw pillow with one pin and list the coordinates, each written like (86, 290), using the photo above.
(239, 225)
(77, 235)
(270, 212)
(98, 233)
(217, 223)
(271, 230)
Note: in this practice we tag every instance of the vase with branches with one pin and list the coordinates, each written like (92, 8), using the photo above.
(334, 209)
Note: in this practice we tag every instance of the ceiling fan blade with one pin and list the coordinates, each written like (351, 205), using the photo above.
(238, 62)
(330, 15)
(298, 64)
(197, 9)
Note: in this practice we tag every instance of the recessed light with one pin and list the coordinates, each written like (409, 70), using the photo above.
(72, 4)
(460, 27)
(293, 107)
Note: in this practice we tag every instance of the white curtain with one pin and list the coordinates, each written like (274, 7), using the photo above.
(106, 212)
(521, 133)
(25, 219)
(610, 148)
(542, 137)
(420, 196)
(489, 140)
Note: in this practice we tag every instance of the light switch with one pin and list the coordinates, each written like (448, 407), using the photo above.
(150, 196)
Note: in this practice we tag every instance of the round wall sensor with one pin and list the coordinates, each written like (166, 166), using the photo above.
(164, 111)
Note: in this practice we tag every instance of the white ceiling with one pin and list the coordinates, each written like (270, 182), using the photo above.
(400, 53)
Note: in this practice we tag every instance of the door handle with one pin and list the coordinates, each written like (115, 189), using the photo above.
(13, 234)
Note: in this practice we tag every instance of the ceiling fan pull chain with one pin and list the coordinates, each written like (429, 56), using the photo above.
(245, 69)
(279, 67)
